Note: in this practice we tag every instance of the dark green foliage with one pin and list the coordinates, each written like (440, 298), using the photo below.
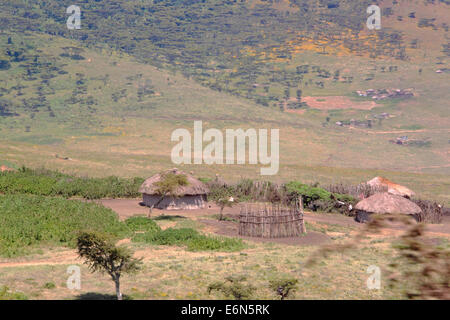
(192, 239)
(283, 286)
(53, 183)
(236, 287)
(318, 199)
(309, 194)
(49, 285)
(27, 220)
(172, 236)
(186, 34)
(142, 224)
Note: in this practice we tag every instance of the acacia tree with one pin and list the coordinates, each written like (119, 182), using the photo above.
(168, 185)
(103, 256)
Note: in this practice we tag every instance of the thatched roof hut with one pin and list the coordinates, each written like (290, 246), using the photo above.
(393, 188)
(189, 196)
(4, 168)
(385, 203)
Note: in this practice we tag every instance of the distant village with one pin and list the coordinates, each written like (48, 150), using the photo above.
(383, 94)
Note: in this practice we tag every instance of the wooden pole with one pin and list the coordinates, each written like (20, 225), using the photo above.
(302, 217)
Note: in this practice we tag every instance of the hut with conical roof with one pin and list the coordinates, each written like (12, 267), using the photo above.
(385, 203)
(392, 187)
(4, 168)
(193, 195)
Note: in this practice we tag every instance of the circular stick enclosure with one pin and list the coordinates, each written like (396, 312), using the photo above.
(271, 221)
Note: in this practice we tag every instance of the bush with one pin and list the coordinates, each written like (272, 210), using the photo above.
(192, 239)
(142, 224)
(27, 220)
(49, 285)
(53, 183)
(309, 194)
(283, 286)
(172, 236)
(235, 287)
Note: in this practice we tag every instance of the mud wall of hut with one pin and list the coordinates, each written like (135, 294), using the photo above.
(176, 203)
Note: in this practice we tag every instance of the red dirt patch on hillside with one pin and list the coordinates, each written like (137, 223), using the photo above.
(337, 102)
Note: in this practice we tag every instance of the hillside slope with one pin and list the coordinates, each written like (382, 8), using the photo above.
(105, 99)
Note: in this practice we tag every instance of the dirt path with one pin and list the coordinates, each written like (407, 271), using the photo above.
(65, 257)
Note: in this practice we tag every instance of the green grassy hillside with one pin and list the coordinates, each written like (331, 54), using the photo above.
(105, 99)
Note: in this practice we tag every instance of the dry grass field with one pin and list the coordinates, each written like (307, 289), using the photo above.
(172, 272)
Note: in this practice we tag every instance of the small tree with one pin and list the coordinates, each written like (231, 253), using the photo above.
(102, 255)
(283, 287)
(168, 185)
(224, 199)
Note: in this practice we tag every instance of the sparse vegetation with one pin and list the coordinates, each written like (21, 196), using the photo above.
(236, 287)
(7, 294)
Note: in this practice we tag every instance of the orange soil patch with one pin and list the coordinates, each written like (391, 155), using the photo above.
(337, 102)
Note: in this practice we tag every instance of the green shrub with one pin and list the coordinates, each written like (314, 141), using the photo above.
(172, 236)
(319, 199)
(236, 287)
(192, 239)
(53, 183)
(142, 224)
(49, 285)
(308, 193)
(284, 286)
(28, 220)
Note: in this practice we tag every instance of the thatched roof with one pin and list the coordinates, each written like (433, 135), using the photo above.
(388, 203)
(194, 186)
(393, 188)
(5, 169)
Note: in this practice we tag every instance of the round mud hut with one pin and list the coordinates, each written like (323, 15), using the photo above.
(392, 187)
(385, 203)
(192, 195)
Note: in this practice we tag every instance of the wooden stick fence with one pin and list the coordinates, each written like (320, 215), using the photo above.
(273, 221)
